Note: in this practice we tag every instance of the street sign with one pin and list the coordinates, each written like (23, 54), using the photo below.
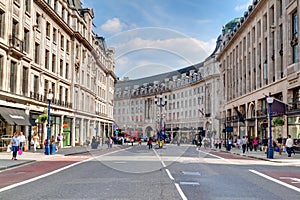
(229, 129)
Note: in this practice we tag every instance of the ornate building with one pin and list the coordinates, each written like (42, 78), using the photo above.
(190, 102)
(50, 46)
(260, 57)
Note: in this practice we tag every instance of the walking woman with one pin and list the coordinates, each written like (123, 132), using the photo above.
(15, 145)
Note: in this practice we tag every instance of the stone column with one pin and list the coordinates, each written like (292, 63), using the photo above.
(81, 142)
(73, 132)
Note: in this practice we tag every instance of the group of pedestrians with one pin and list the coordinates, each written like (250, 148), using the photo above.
(279, 144)
(17, 144)
(247, 144)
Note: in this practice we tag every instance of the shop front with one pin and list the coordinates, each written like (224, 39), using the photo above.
(12, 120)
(40, 126)
(294, 128)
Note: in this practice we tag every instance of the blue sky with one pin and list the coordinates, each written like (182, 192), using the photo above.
(157, 36)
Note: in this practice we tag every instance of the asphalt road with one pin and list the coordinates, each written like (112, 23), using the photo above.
(177, 172)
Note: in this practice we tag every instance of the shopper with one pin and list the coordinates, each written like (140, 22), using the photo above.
(15, 145)
(22, 140)
(35, 140)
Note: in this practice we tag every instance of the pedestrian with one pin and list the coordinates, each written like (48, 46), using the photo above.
(111, 142)
(35, 140)
(244, 144)
(279, 143)
(230, 141)
(59, 141)
(250, 143)
(22, 140)
(265, 144)
(150, 143)
(255, 143)
(289, 145)
(238, 142)
(220, 143)
(15, 145)
(247, 143)
(108, 142)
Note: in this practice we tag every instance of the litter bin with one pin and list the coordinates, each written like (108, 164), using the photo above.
(52, 149)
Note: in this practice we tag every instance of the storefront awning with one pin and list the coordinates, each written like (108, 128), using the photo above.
(15, 116)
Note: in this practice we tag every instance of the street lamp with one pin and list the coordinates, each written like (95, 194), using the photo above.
(160, 101)
(47, 146)
(270, 152)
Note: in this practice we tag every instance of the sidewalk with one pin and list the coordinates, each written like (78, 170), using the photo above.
(295, 159)
(30, 156)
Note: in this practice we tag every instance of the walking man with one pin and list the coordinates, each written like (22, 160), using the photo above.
(244, 143)
(289, 145)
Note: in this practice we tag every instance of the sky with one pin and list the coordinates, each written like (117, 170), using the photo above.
(156, 36)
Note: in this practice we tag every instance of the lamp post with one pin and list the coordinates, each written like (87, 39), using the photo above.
(47, 146)
(160, 101)
(270, 152)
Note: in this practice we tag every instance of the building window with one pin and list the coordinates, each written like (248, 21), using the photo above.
(62, 42)
(37, 53)
(36, 84)
(47, 59)
(67, 71)
(2, 20)
(68, 47)
(54, 35)
(53, 90)
(13, 77)
(1, 71)
(26, 41)
(53, 63)
(60, 93)
(61, 67)
(25, 81)
(48, 29)
(27, 5)
(15, 28)
(66, 96)
(294, 41)
(38, 20)
(46, 87)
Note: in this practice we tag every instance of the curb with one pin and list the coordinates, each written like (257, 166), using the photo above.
(254, 157)
(17, 164)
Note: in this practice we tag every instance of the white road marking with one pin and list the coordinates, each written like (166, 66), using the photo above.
(294, 180)
(180, 192)
(189, 183)
(191, 173)
(275, 180)
(120, 162)
(226, 160)
(171, 177)
(53, 172)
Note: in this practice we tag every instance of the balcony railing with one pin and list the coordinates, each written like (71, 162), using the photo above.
(295, 107)
(42, 98)
(16, 43)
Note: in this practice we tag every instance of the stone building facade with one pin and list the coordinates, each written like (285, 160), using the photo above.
(259, 57)
(191, 99)
(50, 46)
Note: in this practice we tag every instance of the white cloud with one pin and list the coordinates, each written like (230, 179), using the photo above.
(243, 7)
(140, 52)
(113, 25)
